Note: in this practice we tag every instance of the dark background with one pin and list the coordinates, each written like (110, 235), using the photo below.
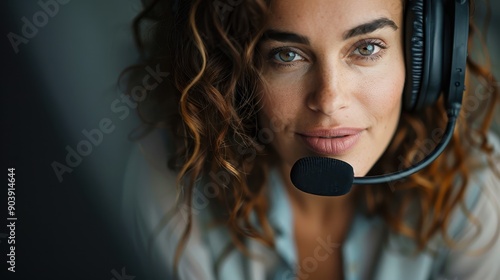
(58, 84)
(62, 82)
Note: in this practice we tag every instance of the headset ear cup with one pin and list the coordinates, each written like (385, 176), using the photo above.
(414, 52)
(424, 53)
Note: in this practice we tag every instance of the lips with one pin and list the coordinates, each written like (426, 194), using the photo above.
(331, 142)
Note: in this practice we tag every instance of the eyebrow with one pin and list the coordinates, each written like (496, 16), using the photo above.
(369, 27)
(286, 37)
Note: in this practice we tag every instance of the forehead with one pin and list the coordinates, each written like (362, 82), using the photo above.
(332, 15)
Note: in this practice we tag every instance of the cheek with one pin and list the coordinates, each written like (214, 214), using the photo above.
(383, 94)
(281, 99)
(388, 102)
(272, 114)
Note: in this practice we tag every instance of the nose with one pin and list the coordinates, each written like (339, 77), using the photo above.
(329, 90)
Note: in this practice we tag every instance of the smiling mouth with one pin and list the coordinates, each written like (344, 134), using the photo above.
(332, 137)
(331, 143)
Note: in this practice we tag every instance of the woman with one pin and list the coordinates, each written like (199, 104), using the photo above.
(254, 86)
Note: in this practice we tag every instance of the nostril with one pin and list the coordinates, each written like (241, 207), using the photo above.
(327, 102)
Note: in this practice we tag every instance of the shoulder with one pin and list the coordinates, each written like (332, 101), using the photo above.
(153, 221)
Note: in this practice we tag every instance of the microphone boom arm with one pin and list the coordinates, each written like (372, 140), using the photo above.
(453, 113)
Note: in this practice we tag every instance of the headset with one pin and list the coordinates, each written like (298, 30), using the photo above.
(436, 36)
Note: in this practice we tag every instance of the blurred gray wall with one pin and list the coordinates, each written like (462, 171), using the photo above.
(60, 67)
(79, 55)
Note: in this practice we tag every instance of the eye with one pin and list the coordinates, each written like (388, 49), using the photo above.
(369, 49)
(286, 56)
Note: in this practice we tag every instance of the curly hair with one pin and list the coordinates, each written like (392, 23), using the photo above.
(210, 107)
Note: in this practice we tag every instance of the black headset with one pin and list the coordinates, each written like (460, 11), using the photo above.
(436, 34)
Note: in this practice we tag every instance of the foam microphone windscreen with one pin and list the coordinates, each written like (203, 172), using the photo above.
(322, 176)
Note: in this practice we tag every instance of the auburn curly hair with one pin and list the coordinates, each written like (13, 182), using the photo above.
(210, 106)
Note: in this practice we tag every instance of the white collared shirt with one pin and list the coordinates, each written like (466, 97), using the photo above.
(369, 252)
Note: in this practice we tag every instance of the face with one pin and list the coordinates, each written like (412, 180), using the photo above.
(333, 79)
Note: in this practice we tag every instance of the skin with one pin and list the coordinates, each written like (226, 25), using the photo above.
(327, 83)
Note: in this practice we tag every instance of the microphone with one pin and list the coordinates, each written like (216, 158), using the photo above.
(332, 177)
